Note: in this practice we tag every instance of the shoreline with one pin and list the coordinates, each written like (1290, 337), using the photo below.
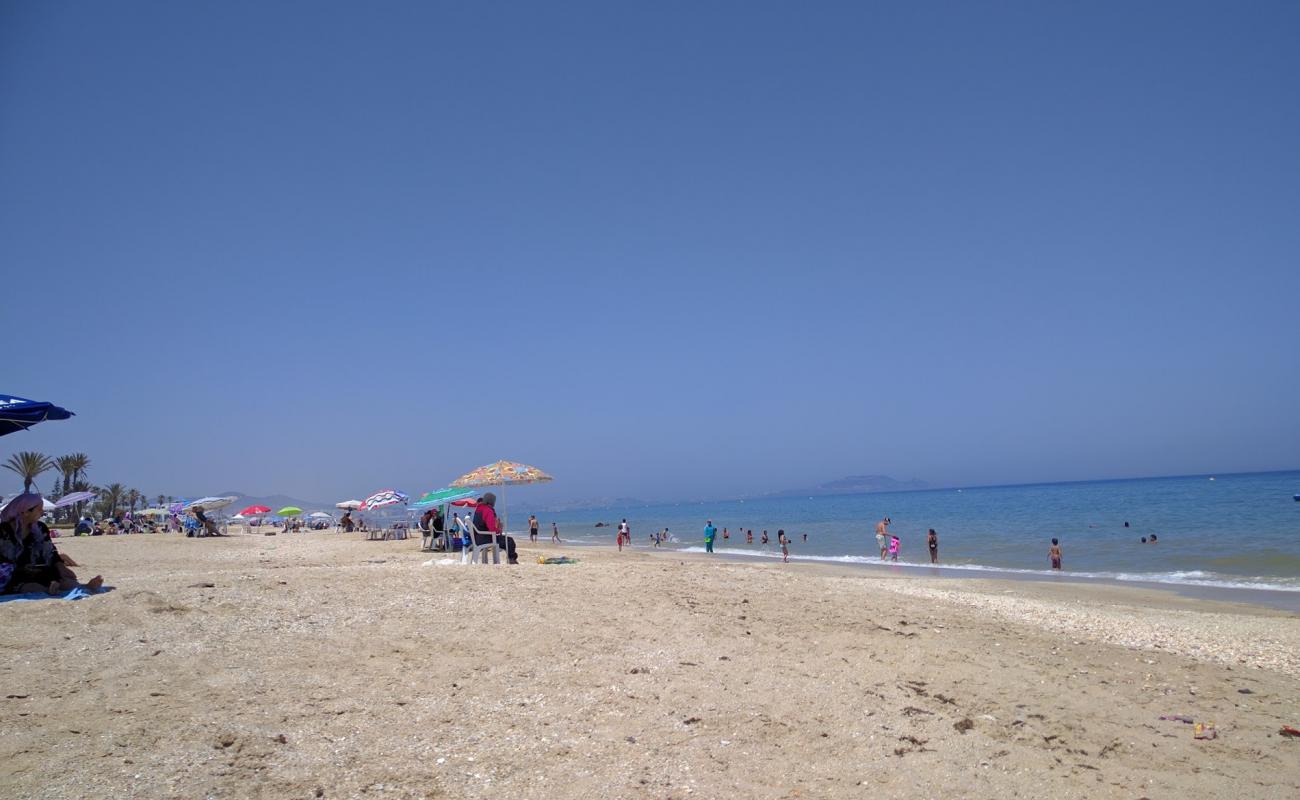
(1280, 599)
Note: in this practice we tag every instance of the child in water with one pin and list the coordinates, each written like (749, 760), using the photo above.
(893, 547)
(1055, 554)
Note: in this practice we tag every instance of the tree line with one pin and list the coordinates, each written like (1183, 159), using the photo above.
(72, 471)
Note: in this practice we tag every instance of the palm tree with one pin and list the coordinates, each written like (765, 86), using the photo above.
(160, 499)
(29, 465)
(67, 467)
(132, 499)
(80, 463)
(110, 497)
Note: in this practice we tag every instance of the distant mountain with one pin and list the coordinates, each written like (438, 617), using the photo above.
(857, 484)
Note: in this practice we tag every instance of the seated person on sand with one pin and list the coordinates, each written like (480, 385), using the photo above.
(209, 527)
(489, 524)
(29, 562)
(346, 523)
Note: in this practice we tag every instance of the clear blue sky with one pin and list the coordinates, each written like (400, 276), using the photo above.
(658, 249)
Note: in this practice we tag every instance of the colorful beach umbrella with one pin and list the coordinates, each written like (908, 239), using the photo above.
(503, 474)
(289, 511)
(253, 511)
(441, 496)
(19, 414)
(383, 498)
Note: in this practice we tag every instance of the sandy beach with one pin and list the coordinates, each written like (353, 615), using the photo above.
(321, 665)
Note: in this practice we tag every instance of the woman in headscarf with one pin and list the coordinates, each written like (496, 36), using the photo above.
(488, 525)
(29, 562)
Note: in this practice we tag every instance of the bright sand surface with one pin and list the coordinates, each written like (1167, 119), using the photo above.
(325, 666)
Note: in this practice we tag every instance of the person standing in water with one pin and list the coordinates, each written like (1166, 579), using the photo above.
(785, 545)
(933, 542)
(709, 533)
(1055, 554)
(555, 533)
(882, 530)
(532, 527)
(624, 533)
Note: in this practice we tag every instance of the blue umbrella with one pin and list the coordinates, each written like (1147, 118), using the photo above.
(19, 414)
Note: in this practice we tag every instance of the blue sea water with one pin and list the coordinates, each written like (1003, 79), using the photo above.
(1234, 531)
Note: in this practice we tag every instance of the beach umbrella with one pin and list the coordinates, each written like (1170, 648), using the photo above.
(320, 515)
(349, 505)
(467, 502)
(253, 511)
(74, 497)
(441, 496)
(383, 498)
(152, 512)
(503, 474)
(212, 503)
(289, 511)
(48, 505)
(19, 414)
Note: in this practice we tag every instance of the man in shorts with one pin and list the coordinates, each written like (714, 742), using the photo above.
(532, 527)
(882, 537)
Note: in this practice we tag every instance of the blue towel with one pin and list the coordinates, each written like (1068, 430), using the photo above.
(75, 594)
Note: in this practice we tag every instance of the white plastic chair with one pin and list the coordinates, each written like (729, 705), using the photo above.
(491, 544)
(466, 539)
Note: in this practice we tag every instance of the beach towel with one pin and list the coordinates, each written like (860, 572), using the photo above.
(75, 594)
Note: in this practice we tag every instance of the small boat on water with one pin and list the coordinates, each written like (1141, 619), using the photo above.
(1297, 498)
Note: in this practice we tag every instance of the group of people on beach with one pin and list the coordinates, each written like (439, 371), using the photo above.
(29, 561)
(890, 545)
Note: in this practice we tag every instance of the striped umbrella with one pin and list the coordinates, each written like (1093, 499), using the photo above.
(382, 498)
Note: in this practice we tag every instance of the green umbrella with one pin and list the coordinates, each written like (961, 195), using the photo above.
(289, 511)
(443, 496)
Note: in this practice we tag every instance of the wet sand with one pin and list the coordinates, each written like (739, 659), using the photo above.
(326, 666)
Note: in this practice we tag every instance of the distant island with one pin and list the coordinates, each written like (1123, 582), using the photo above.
(855, 484)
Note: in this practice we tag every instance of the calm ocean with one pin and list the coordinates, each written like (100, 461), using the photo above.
(1232, 531)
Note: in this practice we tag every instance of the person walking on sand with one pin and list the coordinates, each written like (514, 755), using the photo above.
(785, 545)
(882, 529)
(532, 527)
(933, 542)
(709, 533)
(1055, 554)
(555, 533)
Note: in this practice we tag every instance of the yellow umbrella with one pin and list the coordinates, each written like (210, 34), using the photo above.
(501, 473)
